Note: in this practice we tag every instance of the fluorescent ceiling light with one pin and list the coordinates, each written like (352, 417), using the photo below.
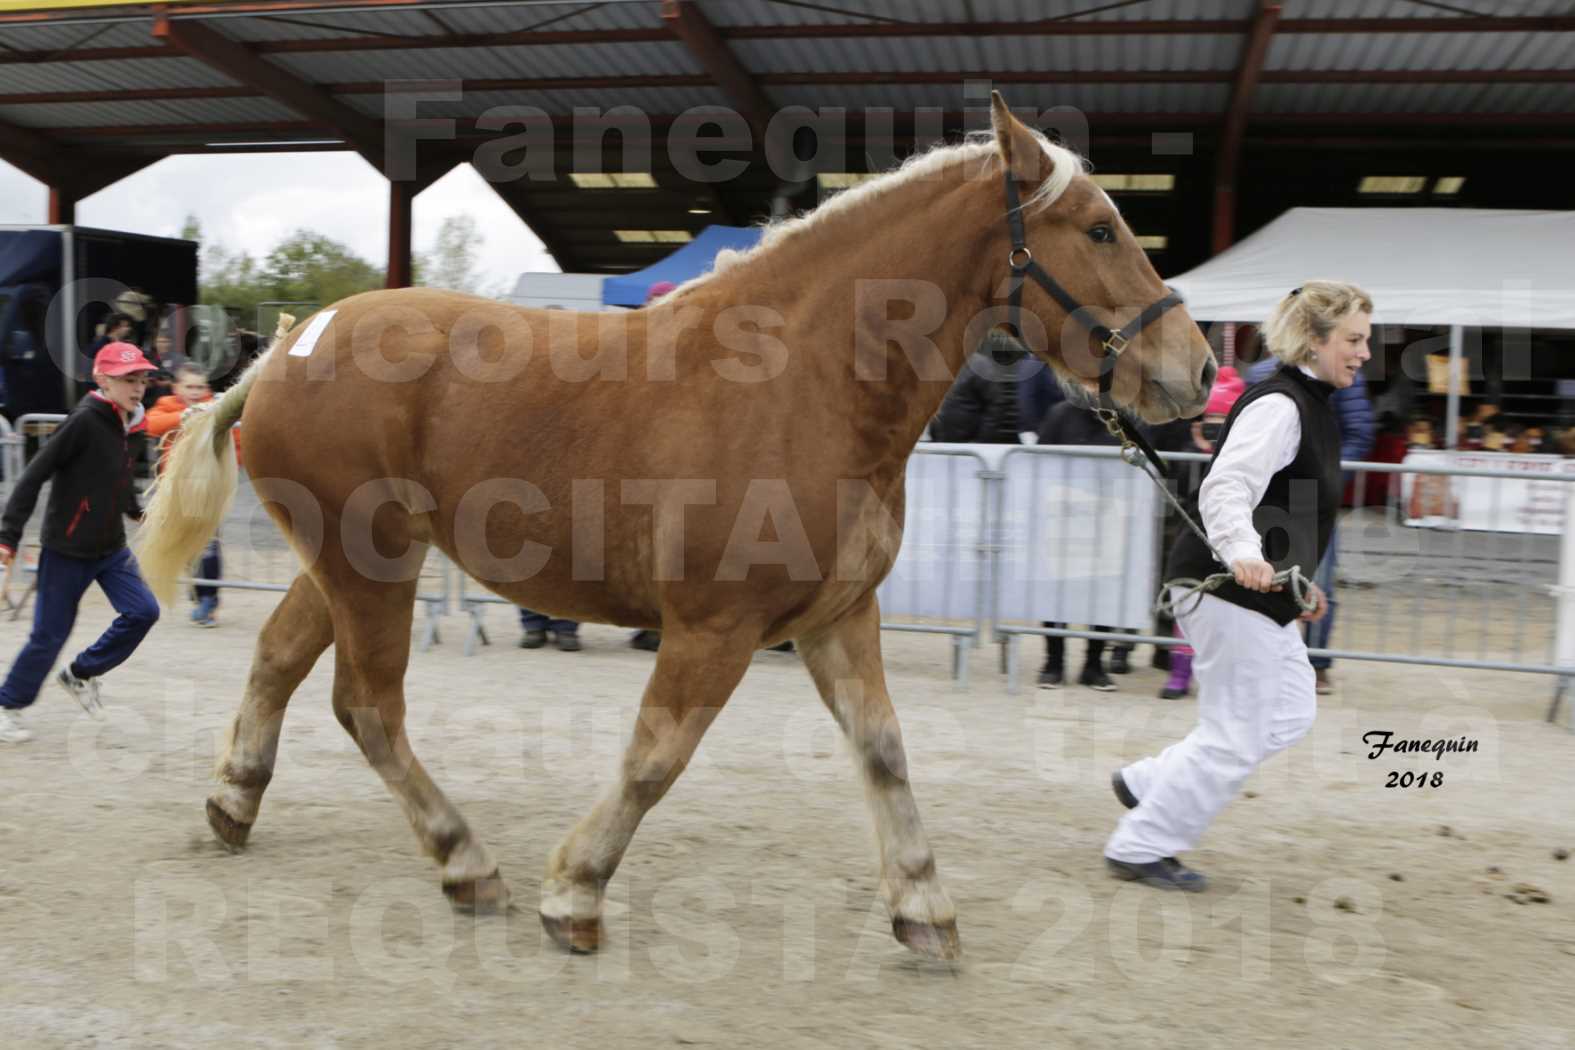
(653, 236)
(841, 180)
(1153, 242)
(1448, 185)
(617, 180)
(1392, 184)
(1152, 183)
(275, 142)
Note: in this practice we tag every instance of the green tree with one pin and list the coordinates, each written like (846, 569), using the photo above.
(453, 261)
(304, 267)
(308, 267)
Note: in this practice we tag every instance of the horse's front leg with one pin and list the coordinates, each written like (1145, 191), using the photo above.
(845, 661)
(696, 671)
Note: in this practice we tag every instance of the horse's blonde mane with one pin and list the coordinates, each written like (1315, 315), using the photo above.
(978, 146)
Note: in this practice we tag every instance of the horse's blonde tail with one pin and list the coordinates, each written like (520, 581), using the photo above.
(194, 493)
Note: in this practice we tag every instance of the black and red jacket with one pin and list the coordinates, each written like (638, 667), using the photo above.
(89, 461)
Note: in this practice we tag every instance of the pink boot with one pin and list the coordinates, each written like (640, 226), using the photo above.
(1180, 674)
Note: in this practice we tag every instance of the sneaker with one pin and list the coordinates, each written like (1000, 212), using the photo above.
(83, 690)
(1050, 678)
(12, 731)
(568, 643)
(646, 641)
(1096, 678)
(202, 613)
(1120, 662)
(1322, 686)
(1166, 874)
(533, 639)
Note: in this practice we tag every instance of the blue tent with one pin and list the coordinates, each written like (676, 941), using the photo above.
(691, 260)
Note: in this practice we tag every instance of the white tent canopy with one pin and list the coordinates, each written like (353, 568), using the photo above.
(1423, 266)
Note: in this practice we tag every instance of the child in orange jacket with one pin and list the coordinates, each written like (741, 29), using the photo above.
(163, 421)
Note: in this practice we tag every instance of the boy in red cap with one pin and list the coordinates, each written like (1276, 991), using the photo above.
(84, 540)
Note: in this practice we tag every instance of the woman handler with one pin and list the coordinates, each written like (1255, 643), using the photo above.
(1268, 502)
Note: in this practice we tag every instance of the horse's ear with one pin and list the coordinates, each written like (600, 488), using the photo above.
(1019, 148)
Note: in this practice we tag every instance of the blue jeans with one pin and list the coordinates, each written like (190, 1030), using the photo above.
(1318, 633)
(210, 568)
(62, 581)
(535, 621)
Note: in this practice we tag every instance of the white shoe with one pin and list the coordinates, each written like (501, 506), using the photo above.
(84, 691)
(12, 731)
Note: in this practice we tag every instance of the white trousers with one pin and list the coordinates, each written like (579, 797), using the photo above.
(1256, 696)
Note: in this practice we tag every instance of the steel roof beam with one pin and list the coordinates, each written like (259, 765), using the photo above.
(373, 87)
(1234, 129)
(237, 62)
(686, 22)
(549, 38)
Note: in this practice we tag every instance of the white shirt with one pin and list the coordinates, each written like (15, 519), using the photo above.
(1263, 441)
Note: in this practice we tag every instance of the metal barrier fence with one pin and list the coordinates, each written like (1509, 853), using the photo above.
(1415, 583)
(255, 555)
(1451, 567)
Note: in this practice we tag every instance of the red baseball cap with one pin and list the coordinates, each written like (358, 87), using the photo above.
(119, 359)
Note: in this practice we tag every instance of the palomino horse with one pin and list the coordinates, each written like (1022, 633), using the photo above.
(729, 469)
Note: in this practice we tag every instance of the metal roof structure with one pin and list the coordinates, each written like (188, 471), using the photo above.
(1251, 107)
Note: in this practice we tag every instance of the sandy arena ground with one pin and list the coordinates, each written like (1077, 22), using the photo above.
(1343, 913)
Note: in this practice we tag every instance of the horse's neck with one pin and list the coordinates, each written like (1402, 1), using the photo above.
(935, 243)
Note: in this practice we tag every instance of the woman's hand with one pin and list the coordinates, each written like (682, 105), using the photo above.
(1320, 610)
(1255, 574)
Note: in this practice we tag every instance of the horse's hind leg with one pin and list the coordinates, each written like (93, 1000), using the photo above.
(290, 643)
(695, 673)
(844, 659)
(372, 623)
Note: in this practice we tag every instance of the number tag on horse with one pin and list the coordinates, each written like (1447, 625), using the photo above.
(314, 332)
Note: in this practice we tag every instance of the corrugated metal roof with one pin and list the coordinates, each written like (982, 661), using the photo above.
(1525, 98)
(120, 74)
(844, 12)
(1095, 98)
(1397, 51)
(652, 101)
(1021, 52)
(643, 14)
(1381, 98)
(569, 60)
(497, 18)
(1547, 51)
(35, 37)
(1163, 10)
(130, 114)
(1414, 9)
(390, 22)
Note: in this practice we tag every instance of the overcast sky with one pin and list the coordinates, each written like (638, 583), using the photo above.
(254, 201)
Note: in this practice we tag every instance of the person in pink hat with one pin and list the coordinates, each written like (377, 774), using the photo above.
(88, 461)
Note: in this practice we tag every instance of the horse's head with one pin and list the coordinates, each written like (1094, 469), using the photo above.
(1085, 277)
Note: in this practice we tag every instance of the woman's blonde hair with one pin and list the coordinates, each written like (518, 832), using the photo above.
(1307, 316)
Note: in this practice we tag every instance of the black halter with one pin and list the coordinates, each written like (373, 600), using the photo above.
(1112, 341)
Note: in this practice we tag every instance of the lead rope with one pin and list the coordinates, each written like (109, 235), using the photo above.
(1194, 589)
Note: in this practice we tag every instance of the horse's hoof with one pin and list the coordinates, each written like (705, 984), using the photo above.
(487, 895)
(930, 941)
(580, 936)
(226, 828)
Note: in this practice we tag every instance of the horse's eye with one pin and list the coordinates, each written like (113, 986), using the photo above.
(1102, 234)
